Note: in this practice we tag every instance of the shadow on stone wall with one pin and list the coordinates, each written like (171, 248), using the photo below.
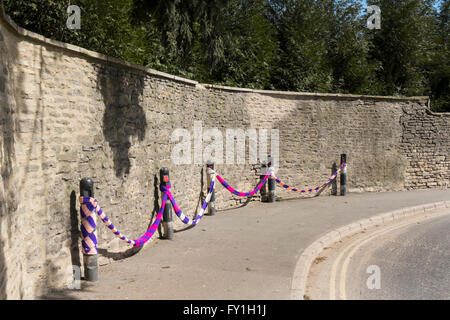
(334, 182)
(21, 99)
(75, 235)
(8, 203)
(201, 199)
(134, 250)
(371, 149)
(124, 118)
(156, 206)
(3, 271)
(48, 290)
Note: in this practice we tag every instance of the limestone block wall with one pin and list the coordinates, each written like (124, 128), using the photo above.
(425, 143)
(68, 113)
(8, 200)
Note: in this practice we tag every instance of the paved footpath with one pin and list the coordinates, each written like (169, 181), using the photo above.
(246, 253)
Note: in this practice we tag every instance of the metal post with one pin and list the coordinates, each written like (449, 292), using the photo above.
(90, 259)
(343, 175)
(271, 182)
(212, 201)
(262, 174)
(167, 214)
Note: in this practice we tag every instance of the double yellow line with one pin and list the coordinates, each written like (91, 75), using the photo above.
(351, 249)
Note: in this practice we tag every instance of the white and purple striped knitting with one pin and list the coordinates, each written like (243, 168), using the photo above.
(245, 194)
(88, 226)
(309, 190)
(180, 213)
(89, 208)
(142, 240)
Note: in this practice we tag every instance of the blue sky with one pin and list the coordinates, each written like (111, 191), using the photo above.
(438, 3)
(367, 3)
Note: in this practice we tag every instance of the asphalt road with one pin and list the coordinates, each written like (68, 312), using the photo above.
(407, 260)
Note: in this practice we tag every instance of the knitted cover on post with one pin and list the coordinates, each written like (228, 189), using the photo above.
(244, 194)
(313, 189)
(89, 205)
(180, 213)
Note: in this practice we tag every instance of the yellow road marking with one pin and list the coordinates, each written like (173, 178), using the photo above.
(357, 244)
(360, 242)
(342, 287)
(335, 267)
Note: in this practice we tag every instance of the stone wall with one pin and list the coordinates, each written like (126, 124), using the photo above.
(68, 113)
(8, 203)
(425, 143)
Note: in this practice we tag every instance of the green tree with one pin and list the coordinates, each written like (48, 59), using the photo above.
(348, 49)
(303, 34)
(105, 26)
(181, 23)
(439, 66)
(298, 45)
(43, 17)
(403, 45)
(250, 46)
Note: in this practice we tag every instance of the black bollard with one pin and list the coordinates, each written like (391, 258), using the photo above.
(90, 261)
(344, 175)
(271, 182)
(167, 214)
(262, 174)
(212, 201)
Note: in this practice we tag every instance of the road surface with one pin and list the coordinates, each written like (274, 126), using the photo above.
(409, 259)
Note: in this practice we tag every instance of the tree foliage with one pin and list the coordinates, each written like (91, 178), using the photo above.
(298, 45)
